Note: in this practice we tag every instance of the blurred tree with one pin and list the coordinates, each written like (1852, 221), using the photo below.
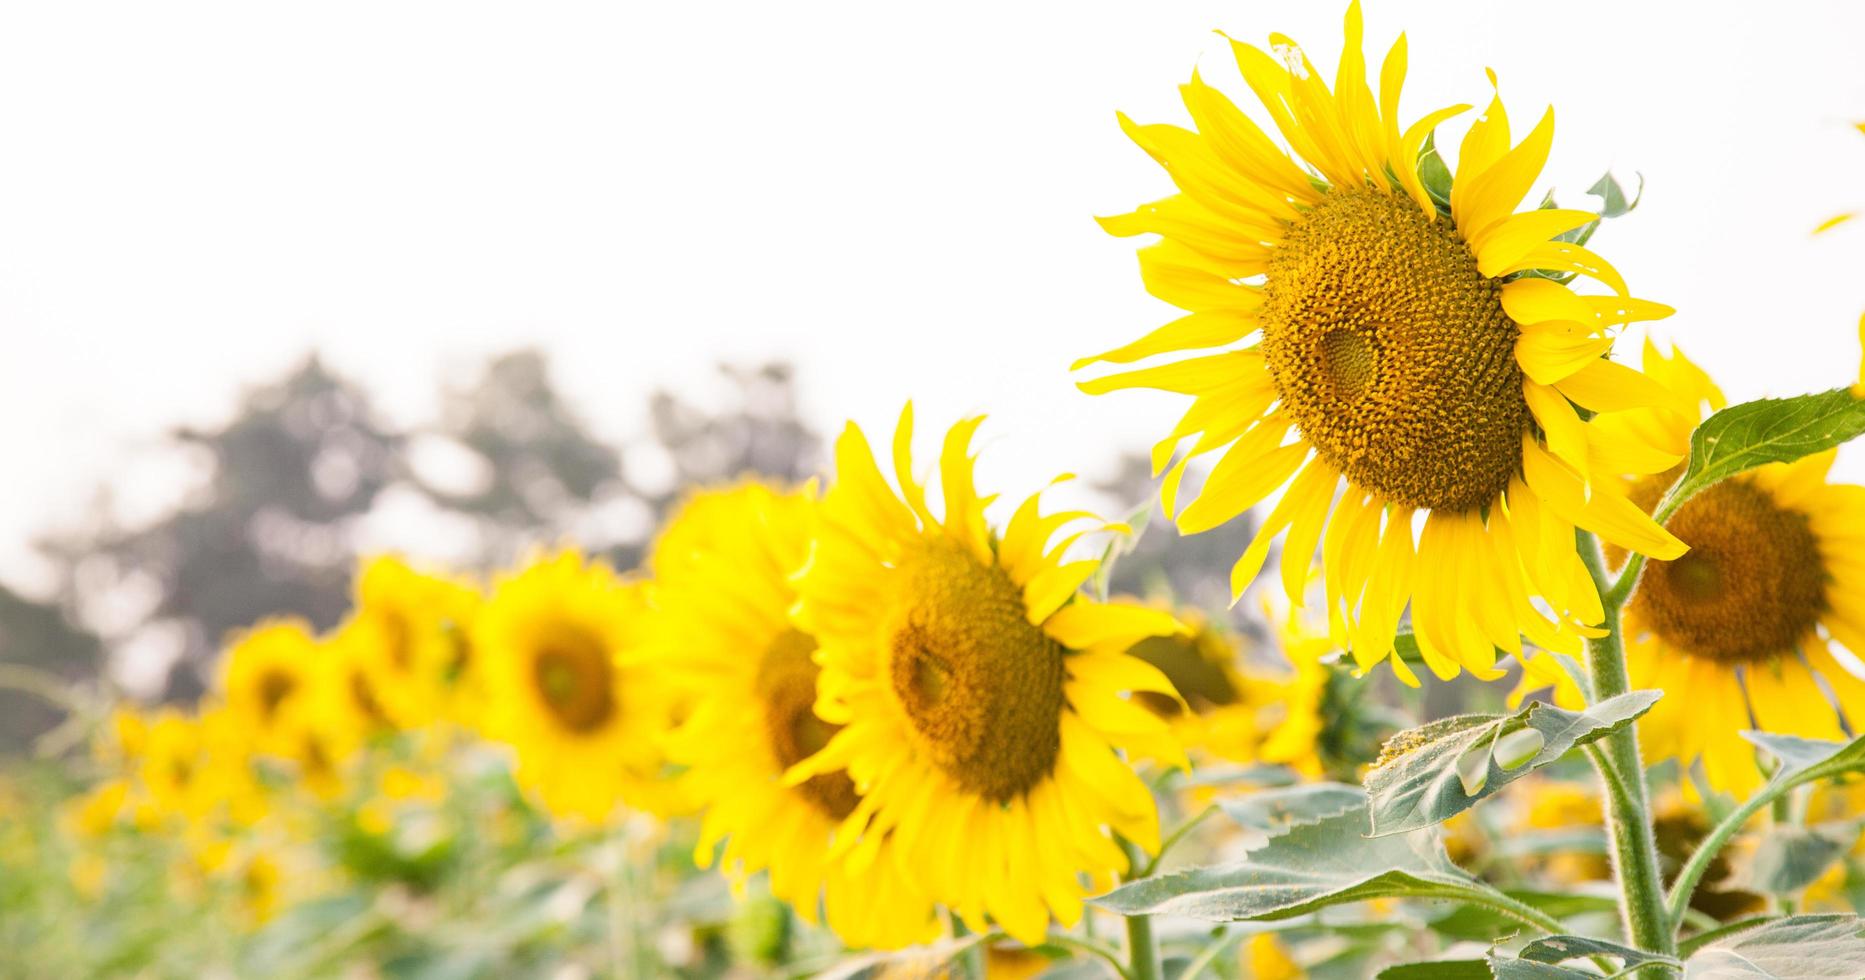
(268, 532)
(547, 477)
(37, 635)
(272, 528)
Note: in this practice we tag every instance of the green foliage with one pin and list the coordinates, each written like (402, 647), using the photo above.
(1445, 768)
(1434, 174)
(1308, 866)
(1275, 810)
(1789, 858)
(1803, 947)
(1439, 970)
(1559, 949)
(1770, 430)
(1796, 756)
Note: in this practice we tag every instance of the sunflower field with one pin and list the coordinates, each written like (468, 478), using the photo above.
(884, 722)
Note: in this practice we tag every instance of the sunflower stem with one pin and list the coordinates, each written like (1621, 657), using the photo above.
(1628, 808)
(1142, 952)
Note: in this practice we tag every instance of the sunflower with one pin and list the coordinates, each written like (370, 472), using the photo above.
(267, 681)
(1741, 629)
(981, 699)
(586, 728)
(1236, 711)
(195, 769)
(721, 595)
(1421, 346)
(409, 637)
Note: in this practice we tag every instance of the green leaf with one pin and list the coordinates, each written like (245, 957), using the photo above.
(1431, 780)
(1771, 430)
(1487, 925)
(1509, 968)
(1556, 949)
(1789, 858)
(1432, 172)
(1473, 765)
(1613, 203)
(1438, 970)
(1798, 755)
(1309, 866)
(1274, 811)
(1517, 748)
(1804, 947)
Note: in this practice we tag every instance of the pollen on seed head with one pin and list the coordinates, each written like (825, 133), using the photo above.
(1393, 353)
(980, 685)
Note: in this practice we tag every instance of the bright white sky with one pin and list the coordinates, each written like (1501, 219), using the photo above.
(896, 197)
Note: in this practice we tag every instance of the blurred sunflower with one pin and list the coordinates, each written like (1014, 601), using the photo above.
(195, 768)
(1556, 808)
(721, 595)
(587, 729)
(408, 634)
(1741, 628)
(982, 700)
(267, 681)
(1408, 338)
(1230, 709)
(1830, 806)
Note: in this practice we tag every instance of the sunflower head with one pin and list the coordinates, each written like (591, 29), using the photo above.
(1419, 343)
(1740, 627)
(409, 637)
(719, 623)
(980, 697)
(587, 726)
(268, 681)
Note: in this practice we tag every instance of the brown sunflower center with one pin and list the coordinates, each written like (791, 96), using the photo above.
(274, 687)
(787, 683)
(982, 686)
(1393, 354)
(1751, 585)
(1196, 666)
(397, 638)
(574, 675)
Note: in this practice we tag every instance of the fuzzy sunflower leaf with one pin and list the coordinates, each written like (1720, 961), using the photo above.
(1803, 947)
(1309, 866)
(1485, 925)
(1798, 756)
(1558, 949)
(1273, 811)
(1769, 430)
(1443, 769)
(1613, 202)
(1509, 968)
(1438, 970)
(1789, 858)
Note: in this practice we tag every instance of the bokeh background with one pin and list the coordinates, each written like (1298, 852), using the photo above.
(282, 285)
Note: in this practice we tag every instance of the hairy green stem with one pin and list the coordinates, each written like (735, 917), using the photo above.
(1627, 810)
(1706, 852)
(1093, 949)
(1142, 952)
